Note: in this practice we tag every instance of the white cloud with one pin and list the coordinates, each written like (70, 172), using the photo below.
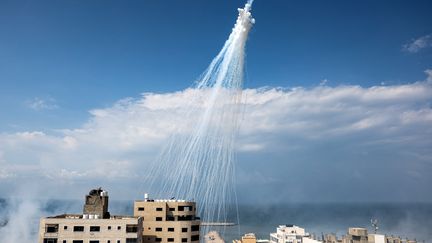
(416, 45)
(117, 143)
(39, 104)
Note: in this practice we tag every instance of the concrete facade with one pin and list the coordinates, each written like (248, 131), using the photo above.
(168, 220)
(71, 228)
(356, 235)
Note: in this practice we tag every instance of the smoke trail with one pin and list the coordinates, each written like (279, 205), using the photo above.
(198, 164)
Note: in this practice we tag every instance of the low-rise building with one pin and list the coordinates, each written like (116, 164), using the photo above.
(291, 234)
(247, 238)
(95, 225)
(356, 235)
(361, 235)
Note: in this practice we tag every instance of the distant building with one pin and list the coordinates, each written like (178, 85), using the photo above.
(291, 234)
(360, 235)
(168, 220)
(356, 235)
(95, 225)
(247, 238)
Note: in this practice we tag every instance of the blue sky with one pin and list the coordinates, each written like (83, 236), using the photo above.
(87, 54)
(348, 92)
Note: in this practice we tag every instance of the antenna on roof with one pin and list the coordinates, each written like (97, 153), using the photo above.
(374, 223)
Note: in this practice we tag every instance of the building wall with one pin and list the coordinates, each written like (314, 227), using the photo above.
(110, 230)
(376, 238)
(168, 220)
(356, 235)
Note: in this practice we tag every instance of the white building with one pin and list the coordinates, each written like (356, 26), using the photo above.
(291, 234)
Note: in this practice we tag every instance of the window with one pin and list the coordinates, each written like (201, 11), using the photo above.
(78, 229)
(158, 209)
(51, 228)
(109, 227)
(50, 240)
(195, 228)
(170, 239)
(170, 229)
(195, 238)
(94, 241)
(185, 218)
(184, 208)
(184, 229)
(184, 239)
(131, 228)
(171, 209)
(170, 218)
(94, 229)
(158, 229)
(118, 227)
(77, 241)
(158, 239)
(131, 240)
(158, 218)
(65, 227)
(141, 209)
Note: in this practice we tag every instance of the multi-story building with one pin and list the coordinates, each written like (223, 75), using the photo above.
(95, 225)
(291, 234)
(168, 220)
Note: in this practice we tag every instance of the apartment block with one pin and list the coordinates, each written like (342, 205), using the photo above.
(95, 225)
(168, 220)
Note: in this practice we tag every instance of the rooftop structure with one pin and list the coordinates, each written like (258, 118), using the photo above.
(96, 203)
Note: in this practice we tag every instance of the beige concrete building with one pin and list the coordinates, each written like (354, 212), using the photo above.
(247, 238)
(69, 228)
(95, 225)
(168, 220)
(356, 235)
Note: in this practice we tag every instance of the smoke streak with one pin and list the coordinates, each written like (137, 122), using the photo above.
(199, 165)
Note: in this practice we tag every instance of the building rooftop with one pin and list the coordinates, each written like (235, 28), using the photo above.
(164, 200)
(83, 216)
